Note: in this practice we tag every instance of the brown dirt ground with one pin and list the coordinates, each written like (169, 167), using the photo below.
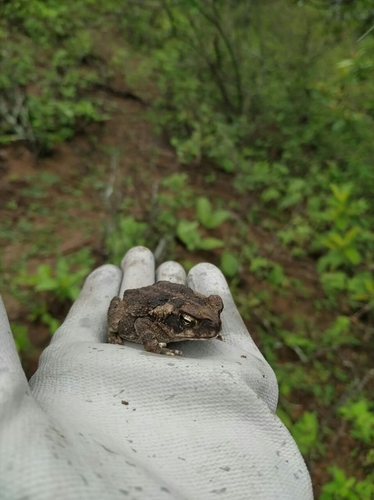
(88, 171)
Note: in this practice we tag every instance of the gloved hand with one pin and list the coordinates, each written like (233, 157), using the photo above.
(102, 421)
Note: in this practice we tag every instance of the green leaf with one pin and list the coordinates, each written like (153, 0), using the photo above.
(305, 431)
(259, 263)
(276, 275)
(350, 235)
(51, 322)
(203, 210)
(332, 259)
(284, 417)
(341, 193)
(339, 125)
(229, 264)
(292, 340)
(209, 218)
(210, 243)
(334, 282)
(21, 338)
(47, 284)
(188, 233)
(352, 255)
(334, 240)
(289, 200)
(361, 287)
(270, 194)
(361, 416)
(217, 218)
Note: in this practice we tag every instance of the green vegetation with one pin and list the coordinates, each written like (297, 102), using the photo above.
(21, 339)
(345, 487)
(278, 116)
(44, 104)
(50, 288)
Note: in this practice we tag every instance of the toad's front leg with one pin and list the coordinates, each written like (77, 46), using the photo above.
(114, 318)
(148, 337)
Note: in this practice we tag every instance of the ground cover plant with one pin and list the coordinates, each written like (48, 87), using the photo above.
(207, 130)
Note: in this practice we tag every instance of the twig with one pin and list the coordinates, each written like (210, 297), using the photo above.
(365, 34)
(366, 308)
(355, 387)
(235, 64)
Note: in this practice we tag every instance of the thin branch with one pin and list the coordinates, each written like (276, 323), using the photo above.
(213, 68)
(235, 64)
(365, 34)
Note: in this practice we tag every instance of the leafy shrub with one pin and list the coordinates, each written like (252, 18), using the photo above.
(50, 285)
(44, 83)
(127, 232)
(342, 487)
(361, 415)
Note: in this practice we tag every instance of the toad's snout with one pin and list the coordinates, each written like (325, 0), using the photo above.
(210, 325)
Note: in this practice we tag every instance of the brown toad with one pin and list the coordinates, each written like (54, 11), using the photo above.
(161, 313)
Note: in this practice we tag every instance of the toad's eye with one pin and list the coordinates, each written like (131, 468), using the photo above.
(186, 320)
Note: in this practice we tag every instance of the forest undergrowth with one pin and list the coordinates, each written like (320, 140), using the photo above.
(270, 124)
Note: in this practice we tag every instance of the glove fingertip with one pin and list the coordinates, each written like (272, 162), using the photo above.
(171, 271)
(103, 274)
(206, 278)
(138, 266)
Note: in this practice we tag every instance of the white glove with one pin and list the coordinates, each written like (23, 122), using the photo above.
(103, 421)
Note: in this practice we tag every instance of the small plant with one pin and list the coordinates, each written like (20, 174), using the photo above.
(208, 217)
(296, 233)
(339, 333)
(63, 281)
(21, 338)
(361, 288)
(188, 231)
(342, 250)
(41, 313)
(348, 238)
(272, 271)
(334, 282)
(361, 416)
(174, 195)
(342, 487)
(176, 191)
(305, 432)
(254, 176)
(127, 233)
(230, 264)
(52, 285)
(189, 234)
(342, 209)
(300, 343)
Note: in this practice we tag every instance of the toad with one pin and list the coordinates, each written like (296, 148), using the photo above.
(161, 313)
